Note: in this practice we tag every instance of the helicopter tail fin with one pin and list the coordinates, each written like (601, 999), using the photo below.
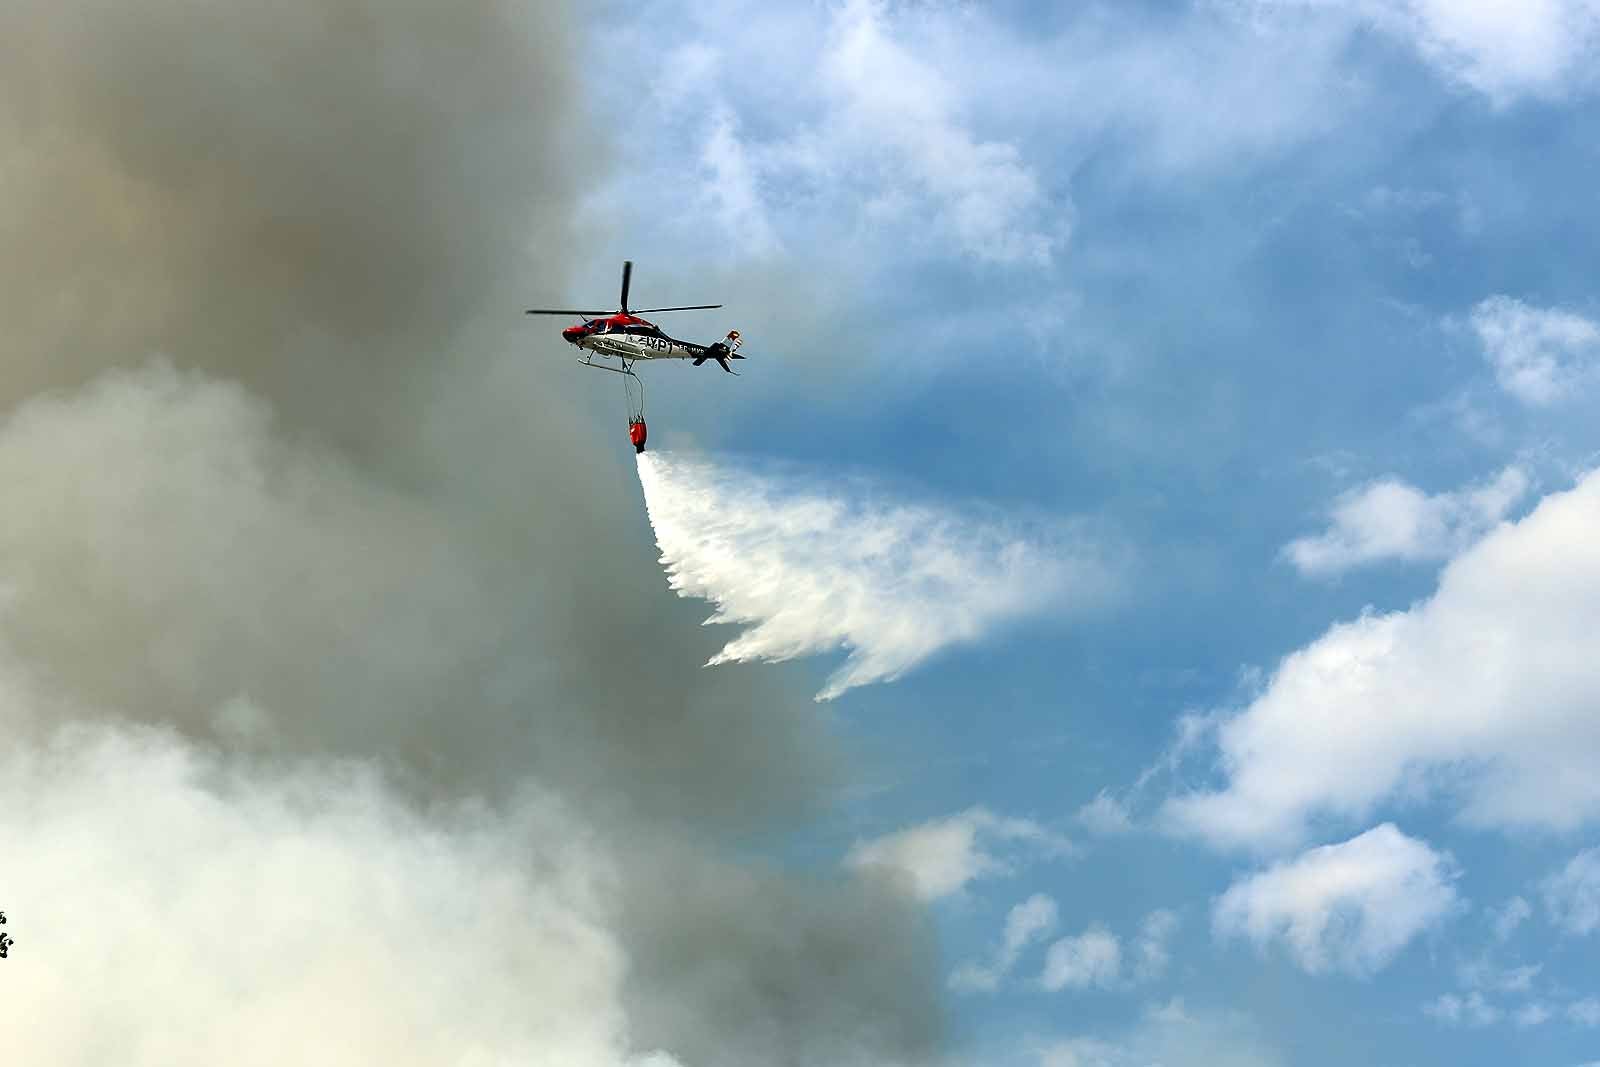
(722, 351)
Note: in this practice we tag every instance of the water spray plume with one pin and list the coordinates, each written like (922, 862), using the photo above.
(812, 571)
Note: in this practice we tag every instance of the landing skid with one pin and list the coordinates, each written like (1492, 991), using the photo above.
(626, 368)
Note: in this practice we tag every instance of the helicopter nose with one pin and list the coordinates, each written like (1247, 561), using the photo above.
(571, 333)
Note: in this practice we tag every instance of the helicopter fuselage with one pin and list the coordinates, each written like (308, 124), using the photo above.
(629, 337)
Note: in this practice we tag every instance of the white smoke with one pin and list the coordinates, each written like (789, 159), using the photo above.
(892, 584)
(308, 915)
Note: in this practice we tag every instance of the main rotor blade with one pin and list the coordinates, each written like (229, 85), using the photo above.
(567, 311)
(627, 276)
(691, 307)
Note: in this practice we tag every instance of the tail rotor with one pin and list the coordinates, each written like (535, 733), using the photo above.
(722, 351)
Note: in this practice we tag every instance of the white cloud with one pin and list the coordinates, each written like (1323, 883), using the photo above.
(1388, 519)
(1348, 907)
(1572, 894)
(878, 133)
(733, 187)
(1471, 1010)
(1096, 957)
(1540, 355)
(1518, 979)
(1486, 690)
(1091, 959)
(941, 857)
(1028, 922)
(1180, 95)
(1150, 947)
(1506, 51)
(1105, 815)
(897, 109)
(1085, 1052)
(1508, 918)
(1481, 974)
(1169, 1035)
(1543, 48)
(1585, 1012)
(900, 119)
(817, 570)
(1474, 1009)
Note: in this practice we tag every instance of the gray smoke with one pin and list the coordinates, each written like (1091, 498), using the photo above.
(309, 541)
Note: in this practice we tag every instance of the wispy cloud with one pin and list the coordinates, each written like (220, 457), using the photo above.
(1472, 1010)
(1572, 894)
(1172, 1035)
(733, 186)
(1540, 355)
(898, 111)
(1541, 48)
(1099, 959)
(814, 570)
(1487, 988)
(878, 130)
(1506, 52)
(1483, 974)
(1106, 816)
(1090, 959)
(1509, 917)
(1150, 951)
(1027, 923)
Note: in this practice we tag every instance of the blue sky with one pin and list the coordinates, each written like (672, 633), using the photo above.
(1152, 543)
(1290, 306)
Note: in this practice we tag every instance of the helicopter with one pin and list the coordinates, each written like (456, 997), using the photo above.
(624, 336)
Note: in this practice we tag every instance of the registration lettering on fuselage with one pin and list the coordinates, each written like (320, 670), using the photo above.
(632, 346)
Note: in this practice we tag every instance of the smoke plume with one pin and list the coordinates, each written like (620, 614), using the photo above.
(344, 718)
